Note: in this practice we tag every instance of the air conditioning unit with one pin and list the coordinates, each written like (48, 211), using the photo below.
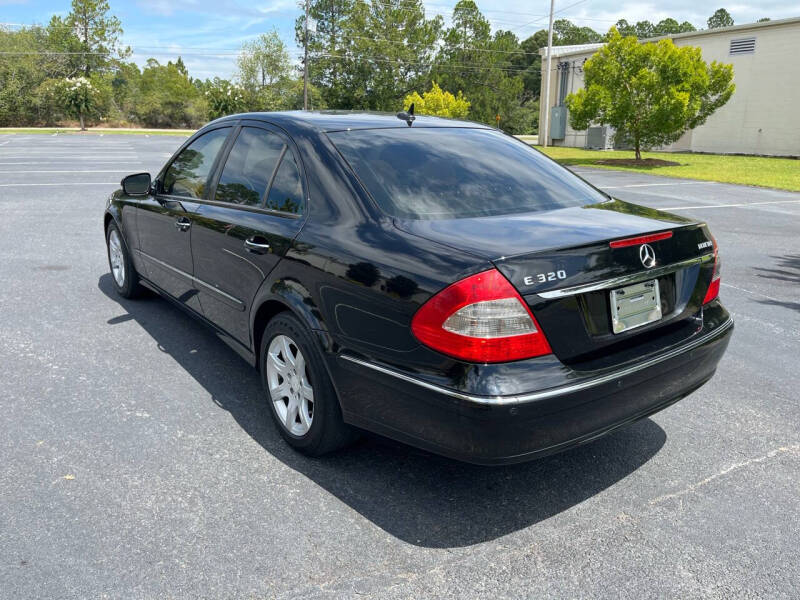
(600, 138)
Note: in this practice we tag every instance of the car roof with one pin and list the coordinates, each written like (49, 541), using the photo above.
(339, 120)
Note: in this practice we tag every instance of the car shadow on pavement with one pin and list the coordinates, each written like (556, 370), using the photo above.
(788, 270)
(415, 496)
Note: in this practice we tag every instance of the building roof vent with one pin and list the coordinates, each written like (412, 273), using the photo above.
(743, 46)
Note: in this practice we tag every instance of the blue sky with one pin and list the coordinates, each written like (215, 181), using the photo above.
(208, 33)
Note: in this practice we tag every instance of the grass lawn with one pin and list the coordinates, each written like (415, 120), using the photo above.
(96, 130)
(781, 173)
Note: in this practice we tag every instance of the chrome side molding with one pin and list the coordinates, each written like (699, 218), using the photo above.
(235, 301)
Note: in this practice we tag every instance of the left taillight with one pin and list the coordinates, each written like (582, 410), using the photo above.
(481, 318)
(713, 288)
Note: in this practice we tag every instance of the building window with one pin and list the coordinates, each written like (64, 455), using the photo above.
(743, 46)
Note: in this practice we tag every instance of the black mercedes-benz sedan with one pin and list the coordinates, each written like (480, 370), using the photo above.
(434, 281)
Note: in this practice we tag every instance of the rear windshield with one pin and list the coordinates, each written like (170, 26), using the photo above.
(438, 173)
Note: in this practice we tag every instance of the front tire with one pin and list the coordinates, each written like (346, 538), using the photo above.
(123, 273)
(302, 399)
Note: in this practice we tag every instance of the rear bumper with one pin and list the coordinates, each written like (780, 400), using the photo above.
(515, 428)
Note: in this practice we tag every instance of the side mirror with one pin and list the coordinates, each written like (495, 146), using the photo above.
(136, 185)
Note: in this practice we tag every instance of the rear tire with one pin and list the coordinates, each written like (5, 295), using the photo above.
(123, 273)
(299, 391)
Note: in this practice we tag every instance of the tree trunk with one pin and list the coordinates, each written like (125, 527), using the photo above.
(638, 148)
(88, 69)
(83, 127)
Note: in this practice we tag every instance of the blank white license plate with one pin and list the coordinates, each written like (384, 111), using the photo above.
(635, 305)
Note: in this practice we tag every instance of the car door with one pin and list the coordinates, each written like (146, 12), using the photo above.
(164, 221)
(241, 233)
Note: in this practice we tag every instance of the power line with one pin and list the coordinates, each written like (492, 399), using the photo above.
(440, 13)
(362, 37)
(554, 12)
(234, 52)
(444, 10)
(368, 58)
(450, 66)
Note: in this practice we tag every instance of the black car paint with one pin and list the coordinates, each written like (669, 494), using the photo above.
(356, 277)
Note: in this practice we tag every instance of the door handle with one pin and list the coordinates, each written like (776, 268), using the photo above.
(256, 245)
(183, 224)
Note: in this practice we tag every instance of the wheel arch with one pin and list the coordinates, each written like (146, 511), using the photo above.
(111, 214)
(114, 214)
(284, 295)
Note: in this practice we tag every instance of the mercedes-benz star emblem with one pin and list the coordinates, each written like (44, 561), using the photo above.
(648, 255)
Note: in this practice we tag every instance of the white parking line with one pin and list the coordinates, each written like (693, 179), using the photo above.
(637, 185)
(752, 292)
(727, 205)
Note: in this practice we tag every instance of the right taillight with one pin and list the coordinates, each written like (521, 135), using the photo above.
(480, 319)
(713, 288)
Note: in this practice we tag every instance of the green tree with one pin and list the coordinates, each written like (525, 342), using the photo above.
(20, 75)
(671, 27)
(97, 33)
(720, 18)
(566, 33)
(326, 48)
(292, 96)
(390, 50)
(438, 102)
(126, 90)
(369, 54)
(479, 64)
(625, 29)
(168, 98)
(265, 72)
(263, 62)
(641, 29)
(522, 117)
(645, 29)
(528, 63)
(67, 58)
(80, 98)
(650, 92)
(224, 98)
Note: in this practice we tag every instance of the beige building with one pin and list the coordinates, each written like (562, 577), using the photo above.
(762, 117)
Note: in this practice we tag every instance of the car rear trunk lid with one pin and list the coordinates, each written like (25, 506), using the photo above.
(563, 265)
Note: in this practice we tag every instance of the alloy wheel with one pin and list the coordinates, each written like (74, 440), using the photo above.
(116, 257)
(289, 387)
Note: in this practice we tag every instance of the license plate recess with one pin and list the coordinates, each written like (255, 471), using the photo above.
(635, 305)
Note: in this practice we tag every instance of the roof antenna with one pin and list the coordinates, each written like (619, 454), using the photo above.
(407, 116)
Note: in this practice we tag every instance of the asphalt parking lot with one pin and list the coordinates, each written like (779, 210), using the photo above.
(137, 459)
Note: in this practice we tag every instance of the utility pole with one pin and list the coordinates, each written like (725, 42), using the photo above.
(547, 78)
(305, 60)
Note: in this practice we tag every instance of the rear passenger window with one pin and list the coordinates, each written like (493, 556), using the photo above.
(187, 176)
(249, 167)
(286, 193)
